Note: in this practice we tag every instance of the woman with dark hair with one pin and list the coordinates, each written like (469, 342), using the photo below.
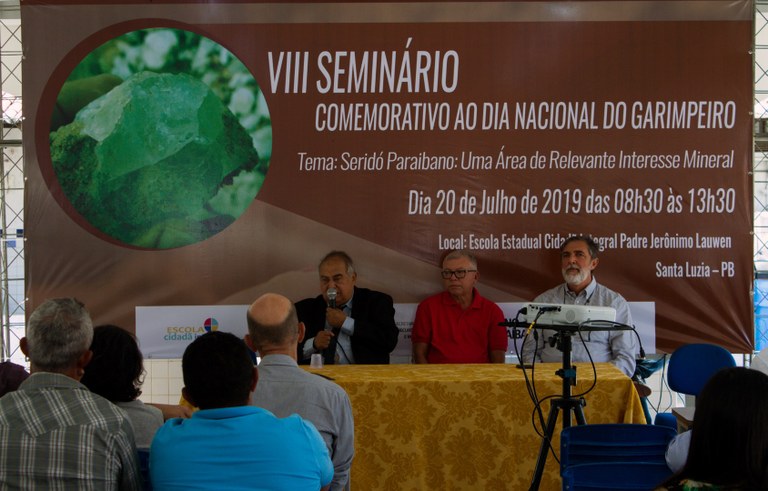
(729, 443)
(116, 372)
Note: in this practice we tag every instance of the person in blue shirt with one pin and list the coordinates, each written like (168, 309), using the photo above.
(227, 444)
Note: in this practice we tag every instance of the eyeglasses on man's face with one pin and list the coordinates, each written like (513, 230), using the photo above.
(458, 273)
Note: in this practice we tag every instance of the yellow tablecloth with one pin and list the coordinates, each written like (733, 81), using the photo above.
(446, 427)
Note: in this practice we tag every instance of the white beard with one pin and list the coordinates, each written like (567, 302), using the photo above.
(574, 278)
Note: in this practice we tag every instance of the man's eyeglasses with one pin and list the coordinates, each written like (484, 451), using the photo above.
(458, 273)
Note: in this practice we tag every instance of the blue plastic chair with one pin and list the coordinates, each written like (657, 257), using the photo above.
(600, 443)
(615, 476)
(614, 456)
(690, 367)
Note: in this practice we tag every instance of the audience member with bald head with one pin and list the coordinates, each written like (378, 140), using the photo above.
(273, 325)
(274, 332)
(54, 432)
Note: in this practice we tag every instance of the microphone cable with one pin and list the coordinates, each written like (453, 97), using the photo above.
(530, 382)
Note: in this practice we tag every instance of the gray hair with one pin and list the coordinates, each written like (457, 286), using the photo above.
(59, 331)
(459, 253)
(339, 255)
(592, 245)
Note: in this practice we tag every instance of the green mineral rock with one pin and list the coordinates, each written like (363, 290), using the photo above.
(143, 162)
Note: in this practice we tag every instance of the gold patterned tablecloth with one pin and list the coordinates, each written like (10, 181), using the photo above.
(464, 427)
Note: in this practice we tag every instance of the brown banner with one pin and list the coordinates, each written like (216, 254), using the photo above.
(395, 132)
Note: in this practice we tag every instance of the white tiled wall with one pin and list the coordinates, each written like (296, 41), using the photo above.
(662, 398)
(163, 381)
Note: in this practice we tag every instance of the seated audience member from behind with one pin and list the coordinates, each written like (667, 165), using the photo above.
(578, 259)
(284, 389)
(729, 440)
(357, 325)
(229, 444)
(677, 451)
(11, 376)
(54, 432)
(458, 325)
(116, 372)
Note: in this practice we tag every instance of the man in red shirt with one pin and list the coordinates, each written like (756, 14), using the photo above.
(458, 325)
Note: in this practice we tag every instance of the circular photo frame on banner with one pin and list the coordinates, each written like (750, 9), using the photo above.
(159, 138)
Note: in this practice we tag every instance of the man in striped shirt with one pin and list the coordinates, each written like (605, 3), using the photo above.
(54, 433)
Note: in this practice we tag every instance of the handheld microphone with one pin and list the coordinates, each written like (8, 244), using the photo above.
(331, 297)
(331, 293)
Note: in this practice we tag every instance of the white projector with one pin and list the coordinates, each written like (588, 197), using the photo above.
(562, 314)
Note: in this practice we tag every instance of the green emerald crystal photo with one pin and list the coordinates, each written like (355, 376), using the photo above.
(162, 149)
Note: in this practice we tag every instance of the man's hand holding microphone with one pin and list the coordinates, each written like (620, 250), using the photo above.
(335, 318)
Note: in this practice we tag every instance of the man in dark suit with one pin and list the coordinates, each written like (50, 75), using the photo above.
(351, 325)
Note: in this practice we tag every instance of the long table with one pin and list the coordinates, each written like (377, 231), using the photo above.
(464, 427)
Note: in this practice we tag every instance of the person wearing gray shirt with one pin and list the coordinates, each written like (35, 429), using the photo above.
(274, 332)
(54, 432)
(145, 420)
(579, 258)
(116, 372)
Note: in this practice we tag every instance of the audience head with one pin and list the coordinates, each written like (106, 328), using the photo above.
(729, 443)
(337, 271)
(59, 334)
(116, 370)
(578, 258)
(273, 324)
(11, 376)
(460, 273)
(218, 371)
